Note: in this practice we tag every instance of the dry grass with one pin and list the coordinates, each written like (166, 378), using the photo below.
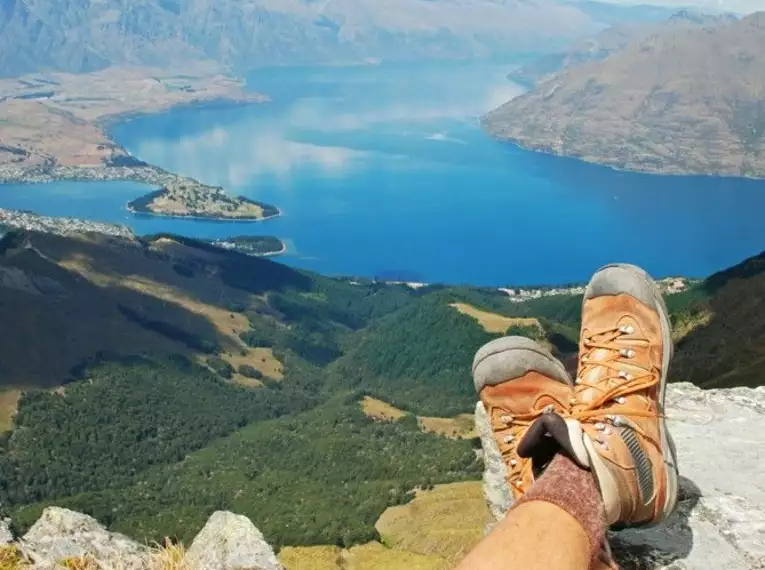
(11, 558)
(459, 427)
(433, 532)
(9, 401)
(492, 322)
(86, 562)
(261, 358)
(168, 557)
(311, 557)
(372, 555)
(447, 521)
(686, 324)
(375, 555)
(380, 410)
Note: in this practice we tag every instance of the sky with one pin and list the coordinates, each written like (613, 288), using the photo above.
(741, 6)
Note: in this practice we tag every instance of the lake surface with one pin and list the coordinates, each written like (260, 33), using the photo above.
(383, 170)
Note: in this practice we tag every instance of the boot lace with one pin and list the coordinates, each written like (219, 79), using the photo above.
(617, 383)
(518, 469)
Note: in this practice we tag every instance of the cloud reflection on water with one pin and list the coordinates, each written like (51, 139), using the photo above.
(299, 136)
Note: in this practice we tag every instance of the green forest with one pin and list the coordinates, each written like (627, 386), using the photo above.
(151, 442)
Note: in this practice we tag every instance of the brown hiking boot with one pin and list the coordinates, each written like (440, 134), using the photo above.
(517, 381)
(618, 403)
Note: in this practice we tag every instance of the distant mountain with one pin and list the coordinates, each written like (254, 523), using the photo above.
(609, 41)
(80, 35)
(683, 101)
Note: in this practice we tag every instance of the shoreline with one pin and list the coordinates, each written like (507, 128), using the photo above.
(112, 119)
(154, 177)
(112, 161)
(274, 253)
(528, 147)
(203, 218)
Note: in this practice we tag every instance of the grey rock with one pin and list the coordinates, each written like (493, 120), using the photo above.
(61, 533)
(720, 518)
(231, 542)
(6, 536)
(497, 493)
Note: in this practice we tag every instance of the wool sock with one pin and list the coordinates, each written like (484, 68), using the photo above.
(574, 490)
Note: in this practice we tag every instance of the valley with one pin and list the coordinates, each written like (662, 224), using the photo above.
(319, 375)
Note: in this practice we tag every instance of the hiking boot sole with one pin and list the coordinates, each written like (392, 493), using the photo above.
(511, 357)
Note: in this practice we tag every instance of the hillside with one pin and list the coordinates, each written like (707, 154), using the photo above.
(609, 41)
(77, 35)
(679, 102)
(119, 354)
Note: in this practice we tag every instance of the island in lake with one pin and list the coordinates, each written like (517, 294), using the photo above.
(193, 200)
(53, 127)
(252, 245)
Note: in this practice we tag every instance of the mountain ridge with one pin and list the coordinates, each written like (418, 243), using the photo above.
(74, 35)
(673, 103)
(610, 41)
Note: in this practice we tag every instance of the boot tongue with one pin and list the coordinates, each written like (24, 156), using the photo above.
(594, 375)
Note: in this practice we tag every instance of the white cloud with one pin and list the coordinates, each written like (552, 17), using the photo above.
(234, 156)
(279, 146)
(740, 6)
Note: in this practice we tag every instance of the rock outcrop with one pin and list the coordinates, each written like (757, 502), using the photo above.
(6, 536)
(231, 542)
(720, 518)
(61, 536)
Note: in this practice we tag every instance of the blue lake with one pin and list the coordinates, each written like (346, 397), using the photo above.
(384, 170)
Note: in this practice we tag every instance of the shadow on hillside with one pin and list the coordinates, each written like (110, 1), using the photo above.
(660, 545)
(53, 322)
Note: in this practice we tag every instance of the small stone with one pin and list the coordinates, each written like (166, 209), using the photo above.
(231, 542)
(6, 536)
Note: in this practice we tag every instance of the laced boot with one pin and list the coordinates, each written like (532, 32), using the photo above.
(517, 381)
(617, 425)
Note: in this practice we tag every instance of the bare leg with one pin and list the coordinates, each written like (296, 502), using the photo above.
(536, 535)
(559, 523)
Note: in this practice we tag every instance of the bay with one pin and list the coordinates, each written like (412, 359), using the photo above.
(383, 170)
